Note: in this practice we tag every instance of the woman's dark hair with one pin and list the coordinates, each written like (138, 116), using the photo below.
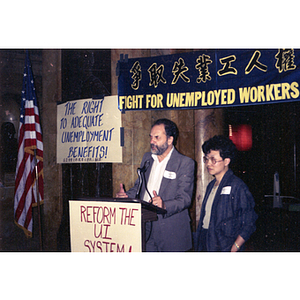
(170, 128)
(220, 143)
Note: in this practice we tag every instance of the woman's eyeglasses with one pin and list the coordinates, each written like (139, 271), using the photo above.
(212, 160)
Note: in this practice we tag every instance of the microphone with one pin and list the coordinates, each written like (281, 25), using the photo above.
(141, 173)
(145, 167)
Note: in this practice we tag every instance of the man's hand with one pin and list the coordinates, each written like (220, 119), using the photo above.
(121, 193)
(156, 200)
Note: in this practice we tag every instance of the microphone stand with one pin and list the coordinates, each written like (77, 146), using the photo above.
(147, 187)
(142, 179)
(137, 196)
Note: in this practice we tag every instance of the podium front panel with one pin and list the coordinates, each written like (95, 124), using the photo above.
(97, 226)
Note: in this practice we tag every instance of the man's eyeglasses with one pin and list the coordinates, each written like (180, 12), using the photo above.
(212, 160)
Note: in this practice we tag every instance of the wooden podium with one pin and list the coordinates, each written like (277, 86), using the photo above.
(148, 210)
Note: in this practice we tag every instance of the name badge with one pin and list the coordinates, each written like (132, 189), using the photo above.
(226, 190)
(169, 175)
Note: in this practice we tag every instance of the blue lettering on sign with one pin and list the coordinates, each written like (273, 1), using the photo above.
(86, 121)
(88, 152)
(92, 107)
(87, 136)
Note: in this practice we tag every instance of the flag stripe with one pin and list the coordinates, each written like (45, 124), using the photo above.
(24, 196)
(30, 142)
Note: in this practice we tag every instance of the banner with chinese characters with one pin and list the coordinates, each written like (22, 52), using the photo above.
(209, 79)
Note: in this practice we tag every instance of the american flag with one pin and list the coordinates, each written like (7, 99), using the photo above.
(30, 145)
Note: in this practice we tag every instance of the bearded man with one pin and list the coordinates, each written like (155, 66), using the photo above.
(169, 185)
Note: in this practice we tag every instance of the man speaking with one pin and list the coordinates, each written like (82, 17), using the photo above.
(169, 184)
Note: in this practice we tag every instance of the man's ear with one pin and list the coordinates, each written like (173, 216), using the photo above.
(227, 161)
(170, 140)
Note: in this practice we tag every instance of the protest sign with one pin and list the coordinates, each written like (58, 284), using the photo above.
(88, 131)
(102, 226)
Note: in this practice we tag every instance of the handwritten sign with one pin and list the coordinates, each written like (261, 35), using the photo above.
(88, 131)
(100, 226)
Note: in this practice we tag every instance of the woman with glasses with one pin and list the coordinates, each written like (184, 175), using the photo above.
(227, 217)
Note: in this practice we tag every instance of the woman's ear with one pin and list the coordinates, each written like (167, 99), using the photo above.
(227, 161)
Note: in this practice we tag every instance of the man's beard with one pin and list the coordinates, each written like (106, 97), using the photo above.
(159, 150)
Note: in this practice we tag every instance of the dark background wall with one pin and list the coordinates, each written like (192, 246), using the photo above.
(276, 148)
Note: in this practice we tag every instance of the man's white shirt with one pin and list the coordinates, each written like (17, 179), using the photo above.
(156, 175)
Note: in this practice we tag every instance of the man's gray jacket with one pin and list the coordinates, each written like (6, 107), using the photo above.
(172, 231)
